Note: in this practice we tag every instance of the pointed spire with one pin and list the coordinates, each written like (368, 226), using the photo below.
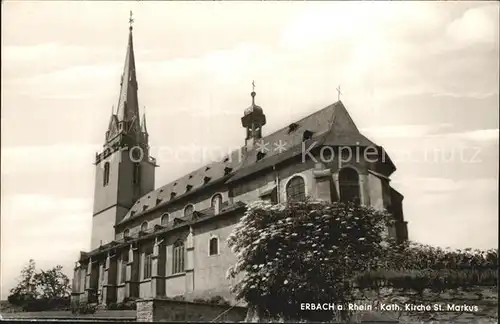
(128, 105)
(143, 122)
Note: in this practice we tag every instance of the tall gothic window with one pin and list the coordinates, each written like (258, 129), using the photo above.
(188, 210)
(105, 179)
(296, 189)
(178, 257)
(164, 219)
(213, 246)
(349, 185)
(148, 256)
(216, 203)
(137, 173)
(126, 232)
(123, 268)
(144, 226)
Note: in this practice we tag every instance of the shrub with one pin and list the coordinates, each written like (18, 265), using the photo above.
(112, 306)
(129, 303)
(179, 298)
(87, 309)
(218, 300)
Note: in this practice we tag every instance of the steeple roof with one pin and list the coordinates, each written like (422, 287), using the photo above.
(128, 103)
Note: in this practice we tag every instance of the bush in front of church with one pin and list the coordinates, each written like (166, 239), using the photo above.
(304, 252)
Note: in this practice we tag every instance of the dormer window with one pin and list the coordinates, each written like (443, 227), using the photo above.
(292, 127)
(158, 201)
(206, 180)
(172, 195)
(307, 135)
(188, 188)
(132, 213)
(225, 160)
(227, 170)
(144, 207)
(260, 156)
(207, 168)
(190, 176)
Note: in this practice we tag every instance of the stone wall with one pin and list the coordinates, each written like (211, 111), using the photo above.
(474, 305)
(166, 310)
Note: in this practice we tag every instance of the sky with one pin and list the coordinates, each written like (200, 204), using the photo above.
(419, 78)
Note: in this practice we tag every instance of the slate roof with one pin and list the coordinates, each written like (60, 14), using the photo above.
(178, 222)
(241, 164)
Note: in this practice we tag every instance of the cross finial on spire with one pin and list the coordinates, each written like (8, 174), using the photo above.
(338, 93)
(131, 19)
(253, 85)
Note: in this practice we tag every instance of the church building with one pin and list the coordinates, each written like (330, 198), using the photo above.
(170, 240)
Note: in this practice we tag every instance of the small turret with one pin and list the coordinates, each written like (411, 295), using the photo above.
(253, 119)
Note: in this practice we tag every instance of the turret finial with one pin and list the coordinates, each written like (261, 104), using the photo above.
(253, 93)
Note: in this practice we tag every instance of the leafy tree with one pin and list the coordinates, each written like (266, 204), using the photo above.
(41, 290)
(304, 252)
(53, 283)
(26, 289)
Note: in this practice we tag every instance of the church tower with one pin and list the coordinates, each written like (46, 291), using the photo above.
(253, 120)
(124, 170)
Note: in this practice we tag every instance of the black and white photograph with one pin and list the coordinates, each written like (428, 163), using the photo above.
(250, 161)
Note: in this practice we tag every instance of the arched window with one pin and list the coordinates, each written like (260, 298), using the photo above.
(144, 226)
(216, 203)
(296, 189)
(213, 248)
(349, 185)
(178, 257)
(105, 179)
(126, 232)
(164, 219)
(188, 210)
